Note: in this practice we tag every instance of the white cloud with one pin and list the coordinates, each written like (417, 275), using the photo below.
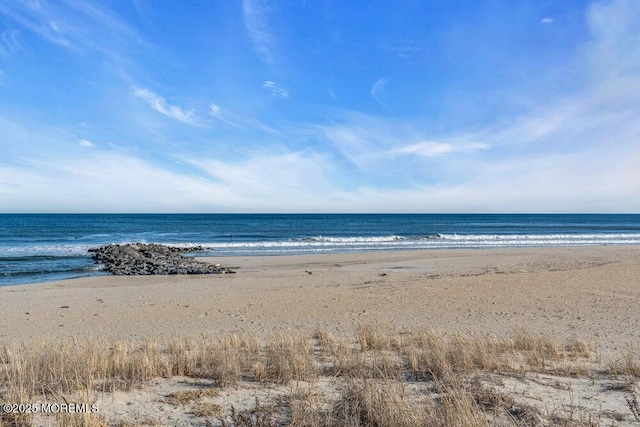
(333, 96)
(37, 17)
(546, 21)
(303, 182)
(615, 50)
(377, 88)
(109, 181)
(85, 143)
(75, 25)
(218, 113)
(435, 149)
(238, 121)
(159, 104)
(579, 153)
(105, 182)
(300, 176)
(406, 51)
(214, 110)
(9, 43)
(256, 22)
(276, 91)
(359, 140)
(597, 177)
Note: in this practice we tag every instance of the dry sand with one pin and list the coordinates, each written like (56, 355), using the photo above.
(588, 292)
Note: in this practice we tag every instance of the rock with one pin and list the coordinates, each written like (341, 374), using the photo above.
(147, 259)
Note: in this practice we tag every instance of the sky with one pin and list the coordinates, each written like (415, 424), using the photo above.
(319, 106)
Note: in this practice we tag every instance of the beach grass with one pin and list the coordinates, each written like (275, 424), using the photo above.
(372, 377)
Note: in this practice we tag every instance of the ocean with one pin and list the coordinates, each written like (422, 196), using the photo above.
(44, 247)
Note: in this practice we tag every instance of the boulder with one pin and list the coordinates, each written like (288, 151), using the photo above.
(147, 259)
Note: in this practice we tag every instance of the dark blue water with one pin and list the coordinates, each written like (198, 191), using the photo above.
(35, 248)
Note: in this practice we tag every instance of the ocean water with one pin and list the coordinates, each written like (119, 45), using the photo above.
(36, 248)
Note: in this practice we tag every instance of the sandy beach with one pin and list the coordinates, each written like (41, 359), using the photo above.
(587, 292)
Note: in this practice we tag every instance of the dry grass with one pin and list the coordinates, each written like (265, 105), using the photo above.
(376, 378)
(373, 337)
(365, 402)
(308, 407)
(286, 358)
(259, 416)
(206, 409)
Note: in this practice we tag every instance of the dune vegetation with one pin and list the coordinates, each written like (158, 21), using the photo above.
(373, 376)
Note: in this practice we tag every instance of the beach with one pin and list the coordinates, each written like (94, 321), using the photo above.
(517, 335)
(585, 292)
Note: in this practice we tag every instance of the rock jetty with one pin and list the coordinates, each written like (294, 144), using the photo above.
(145, 259)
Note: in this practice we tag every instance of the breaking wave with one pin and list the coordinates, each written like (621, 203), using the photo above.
(321, 244)
(32, 263)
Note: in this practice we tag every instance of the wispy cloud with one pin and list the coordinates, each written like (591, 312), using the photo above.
(256, 22)
(615, 51)
(333, 96)
(435, 149)
(404, 52)
(357, 139)
(215, 110)
(75, 25)
(40, 17)
(276, 91)
(238, 121)
(291, 173)
(579, 152)
(103, 182)
(9, 43)
(112, 182)
(593, 177)
(159, 104)
(377, 88)
(224, 116)
(573, 151)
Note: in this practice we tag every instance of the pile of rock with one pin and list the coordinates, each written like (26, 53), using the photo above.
(145, 259)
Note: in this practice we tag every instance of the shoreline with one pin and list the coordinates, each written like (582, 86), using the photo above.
(214, 259)
(588, 293)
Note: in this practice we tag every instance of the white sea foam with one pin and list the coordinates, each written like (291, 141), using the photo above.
(596, 237)
(324, 244)
(320, 244)
(59, 250)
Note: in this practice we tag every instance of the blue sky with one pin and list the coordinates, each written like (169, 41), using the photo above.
(320, 106)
